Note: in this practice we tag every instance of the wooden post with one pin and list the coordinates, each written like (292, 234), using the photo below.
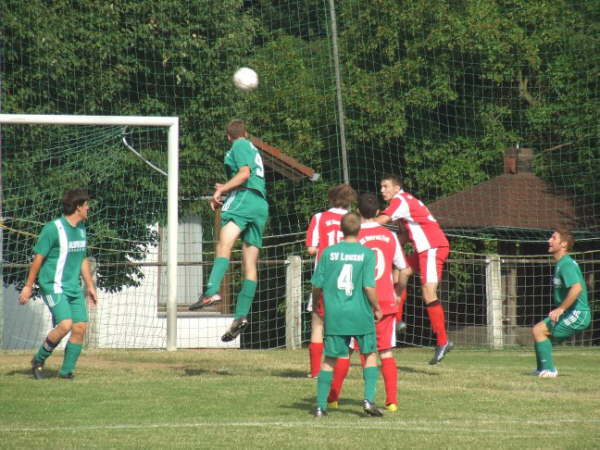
(493, 287)
(293, 303)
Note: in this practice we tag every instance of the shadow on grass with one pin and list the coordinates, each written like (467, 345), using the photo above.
(290, 374)
(347, 407)
(26, 372)
(406, 369)
(193, 372)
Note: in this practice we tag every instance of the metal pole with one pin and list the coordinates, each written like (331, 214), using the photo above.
(338, 89)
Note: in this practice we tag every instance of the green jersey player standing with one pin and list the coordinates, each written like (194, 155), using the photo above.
(59, 261)
(345, 276)
(244, 214)
(571, 313)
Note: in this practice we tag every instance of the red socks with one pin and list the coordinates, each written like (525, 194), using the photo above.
(340, 371)
(401, 306)
(435, 311)
(315, 351)
(389, 371)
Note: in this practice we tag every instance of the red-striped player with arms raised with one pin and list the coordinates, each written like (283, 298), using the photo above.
(324, 230)
(431, 251)
(390, 261)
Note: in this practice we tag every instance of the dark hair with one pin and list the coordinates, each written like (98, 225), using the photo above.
(341, 196)
(566, 236)
(368, 205)
(73, 199)
(395, 179)
(236, 128)
(350, 224)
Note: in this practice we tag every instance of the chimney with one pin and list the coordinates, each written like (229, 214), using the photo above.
(518, 160)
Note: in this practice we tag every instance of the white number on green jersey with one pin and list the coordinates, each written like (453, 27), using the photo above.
(260, 169)
(344, 281)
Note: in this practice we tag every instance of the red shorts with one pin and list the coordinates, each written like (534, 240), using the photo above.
(386, 333)
(429, 264)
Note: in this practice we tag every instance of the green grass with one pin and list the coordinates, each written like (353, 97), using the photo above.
(261, 399)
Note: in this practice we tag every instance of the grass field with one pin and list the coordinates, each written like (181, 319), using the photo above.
(261, 399)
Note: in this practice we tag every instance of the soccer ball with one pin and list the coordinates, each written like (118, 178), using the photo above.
(245, 79)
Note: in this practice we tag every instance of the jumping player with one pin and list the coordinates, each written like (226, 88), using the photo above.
(431, 251)
(244, 214)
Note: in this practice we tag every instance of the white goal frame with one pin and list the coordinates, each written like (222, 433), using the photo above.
(172, 123)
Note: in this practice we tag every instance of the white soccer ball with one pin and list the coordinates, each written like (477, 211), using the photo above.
(245, 79)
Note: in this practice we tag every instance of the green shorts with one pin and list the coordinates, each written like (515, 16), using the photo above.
(569, 324)
(249, 210)
(64, 306)
(338, 346)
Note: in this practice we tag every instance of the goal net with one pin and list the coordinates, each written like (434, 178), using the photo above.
(487, 110)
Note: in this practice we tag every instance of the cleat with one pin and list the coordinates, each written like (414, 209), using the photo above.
(310, 375)
(333, 405)
(237, 326)
(401, 328)
(440, 352)
(319, 412)
(371, 409)
(548, 373)
(392, 407)
(204, 301)
(68, 376)
(37, 369)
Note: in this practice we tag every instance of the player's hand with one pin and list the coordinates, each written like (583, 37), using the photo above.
(555, 314)
(215, 202)
(25, 295)
(378, 314)
(92, 296)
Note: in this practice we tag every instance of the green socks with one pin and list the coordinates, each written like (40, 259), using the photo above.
(323, 387)
(370, 376)
(217, 273)
(244, 299)
(72, 352)
(543, 351)
(45, 350)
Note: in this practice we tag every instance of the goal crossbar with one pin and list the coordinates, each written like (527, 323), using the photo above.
(172, 190)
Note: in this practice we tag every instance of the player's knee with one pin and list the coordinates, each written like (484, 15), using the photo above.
(64, 326)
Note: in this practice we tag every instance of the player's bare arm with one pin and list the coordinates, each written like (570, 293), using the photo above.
(316, 294)
(237, 180)
(36, 264)
(382, 219)
(312, 250)
(86, 273)
(372, 296)
(571, 297)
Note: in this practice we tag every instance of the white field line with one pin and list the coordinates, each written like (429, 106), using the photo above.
(472, 426)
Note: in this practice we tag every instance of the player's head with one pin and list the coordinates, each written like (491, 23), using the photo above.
(561, 240)
(368, 205)
(76, 200)
(341, 196)
(390, 186)
(350, 224)
(236, 128)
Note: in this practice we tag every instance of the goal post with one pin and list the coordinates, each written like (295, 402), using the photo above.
(172, 123)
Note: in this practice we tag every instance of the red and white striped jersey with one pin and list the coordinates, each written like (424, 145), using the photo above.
(423, 230)
(388, 253)
(324, 229)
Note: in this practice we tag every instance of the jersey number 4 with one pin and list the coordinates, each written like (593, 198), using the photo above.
(344, 281)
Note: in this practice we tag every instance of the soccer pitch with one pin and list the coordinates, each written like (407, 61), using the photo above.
(261, 399)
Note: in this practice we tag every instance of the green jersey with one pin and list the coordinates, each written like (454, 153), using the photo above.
(566, 274)
(344, 270)
(244, 153)
(63, 247)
